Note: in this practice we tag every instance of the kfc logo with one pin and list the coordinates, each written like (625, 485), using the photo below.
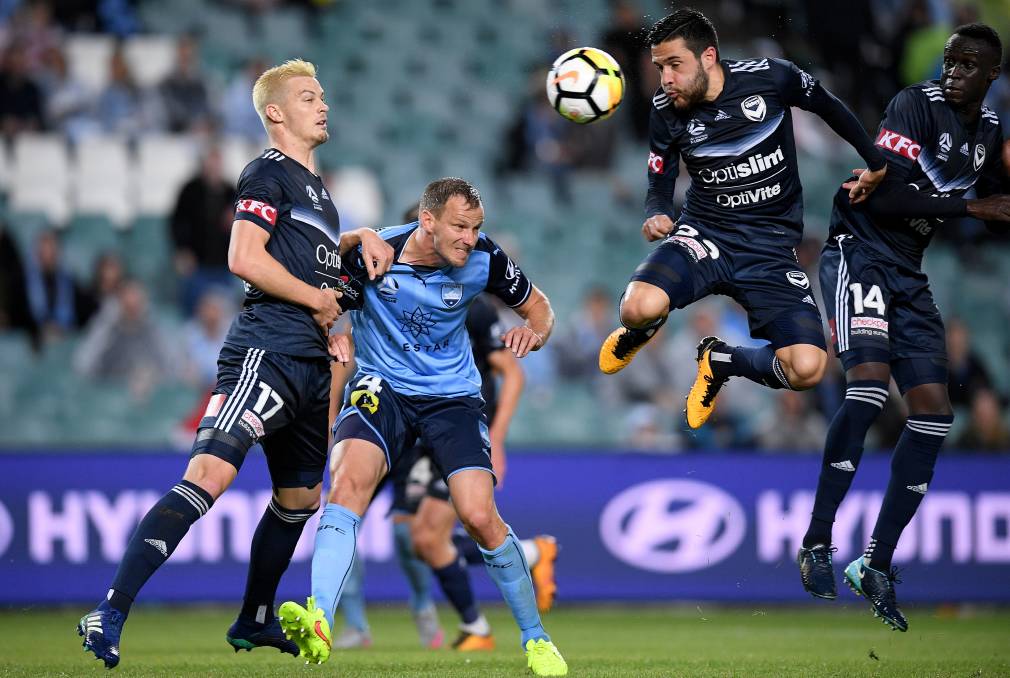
(655, 163)
(260, 209)
(899, 144)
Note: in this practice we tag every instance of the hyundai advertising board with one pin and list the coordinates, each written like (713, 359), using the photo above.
(632, 527)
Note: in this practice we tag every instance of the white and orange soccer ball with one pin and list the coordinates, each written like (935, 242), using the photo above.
(585, 84)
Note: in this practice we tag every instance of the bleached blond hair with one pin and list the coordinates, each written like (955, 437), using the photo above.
(269, 87)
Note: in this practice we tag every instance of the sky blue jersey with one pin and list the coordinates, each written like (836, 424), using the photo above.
(411, 330)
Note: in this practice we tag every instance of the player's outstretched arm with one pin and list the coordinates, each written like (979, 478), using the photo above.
(804, 91)
(533, 334)
(376, 253)
(248, 259)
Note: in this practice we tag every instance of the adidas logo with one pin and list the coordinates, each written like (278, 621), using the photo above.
(160, 545)
(721, 115)
(844, 466)
(964, 148)
(921, 489)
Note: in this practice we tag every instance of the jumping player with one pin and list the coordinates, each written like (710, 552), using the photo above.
(273, 372)
(730, 121)
(940, 142)
(416, 380)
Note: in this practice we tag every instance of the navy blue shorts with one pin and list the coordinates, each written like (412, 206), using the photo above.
(453, 430)
(766, 281)
(880, 311)
(278, 400)
(414, 483)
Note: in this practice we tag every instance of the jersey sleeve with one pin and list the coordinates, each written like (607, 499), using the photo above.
(258, 198)
(485, 327)
(906, 125)
(664, 161)
(505, 280)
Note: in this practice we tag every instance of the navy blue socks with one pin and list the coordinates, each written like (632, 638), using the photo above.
(843, 448)
(157, 536)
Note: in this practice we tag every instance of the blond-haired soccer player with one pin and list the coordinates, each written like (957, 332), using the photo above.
(273, 371)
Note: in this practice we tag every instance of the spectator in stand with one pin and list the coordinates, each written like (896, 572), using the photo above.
(967, 372)
(20, 97)
(123, 106)
(13, 301)
(625, 41)
(36, 33)
(987, 430)
(57, 305)
(107, 276)
(240, 116)
(201, 229)
(794, 426)
(589, 327)
(69, 106)
(538, 140)
(204, 335)
(123, 342)
(184, 92)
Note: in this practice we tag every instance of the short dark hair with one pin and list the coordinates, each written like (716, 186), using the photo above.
(687, 23)
(437, 194)
(983, 33)
(411, 214)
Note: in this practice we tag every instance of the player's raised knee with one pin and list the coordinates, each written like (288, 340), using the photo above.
(643, 305)
(804, 367)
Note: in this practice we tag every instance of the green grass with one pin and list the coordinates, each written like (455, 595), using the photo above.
(839, 639)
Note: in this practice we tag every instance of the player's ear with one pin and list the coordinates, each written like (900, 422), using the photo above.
(274, 113)
(427, 220)
(709, 57)
(994, 73)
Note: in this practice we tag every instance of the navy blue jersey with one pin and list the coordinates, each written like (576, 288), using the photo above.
(740, 153)
(485, 330)
(929, 149)
(284, 198)
(412, 331)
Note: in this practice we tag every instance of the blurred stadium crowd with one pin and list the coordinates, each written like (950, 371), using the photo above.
(125, 124)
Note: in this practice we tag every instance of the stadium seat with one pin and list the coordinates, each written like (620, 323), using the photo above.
(40, 176)
(150, 57)
(165, 162)
(87, 56)
(236, 153)
(150, 249)
(84, 239)
(102, 179)
(357, 195)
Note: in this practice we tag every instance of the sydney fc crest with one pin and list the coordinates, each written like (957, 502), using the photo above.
(754, 108)
(451, 294)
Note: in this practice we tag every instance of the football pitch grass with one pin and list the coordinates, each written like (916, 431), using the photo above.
(830, 639)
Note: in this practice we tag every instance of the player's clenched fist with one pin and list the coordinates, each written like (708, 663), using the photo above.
(521, 340)
(326, 309)
(657, 227)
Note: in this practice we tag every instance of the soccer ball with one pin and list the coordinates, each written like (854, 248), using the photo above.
(585, 84)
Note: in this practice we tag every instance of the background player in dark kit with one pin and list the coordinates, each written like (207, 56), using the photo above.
(940, 143)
